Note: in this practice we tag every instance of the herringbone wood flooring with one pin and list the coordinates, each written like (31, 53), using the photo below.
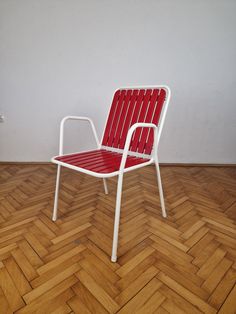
(182, 264)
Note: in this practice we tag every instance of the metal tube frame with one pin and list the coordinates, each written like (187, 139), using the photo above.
(120, 182)
(125, 152)
(61, 146)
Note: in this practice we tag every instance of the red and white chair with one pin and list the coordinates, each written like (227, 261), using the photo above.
(129, 142)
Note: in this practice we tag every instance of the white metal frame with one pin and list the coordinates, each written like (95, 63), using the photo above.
(153, 158)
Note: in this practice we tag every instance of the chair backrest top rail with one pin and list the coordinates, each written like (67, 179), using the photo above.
(144, 87)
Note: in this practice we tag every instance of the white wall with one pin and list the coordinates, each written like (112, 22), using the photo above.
(60, 57)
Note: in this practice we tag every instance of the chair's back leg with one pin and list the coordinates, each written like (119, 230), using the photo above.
(105, 186)
(54, 216)
(117, 218)
(160, 188)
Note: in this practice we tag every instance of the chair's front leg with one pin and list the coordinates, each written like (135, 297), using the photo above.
(160, 189)
(105, 186)
(117, 218)
(54, 216)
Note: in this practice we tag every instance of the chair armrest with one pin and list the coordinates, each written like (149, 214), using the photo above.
(129, 136)
(75, 118)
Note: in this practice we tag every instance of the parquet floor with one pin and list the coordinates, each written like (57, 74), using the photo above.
(183, 264)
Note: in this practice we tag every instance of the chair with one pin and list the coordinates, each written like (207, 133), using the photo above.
(129, 142)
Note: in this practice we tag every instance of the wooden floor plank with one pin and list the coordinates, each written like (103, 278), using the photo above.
(142, 297)
(4, 305)
(42, 289)
(8, 287)
(229, 305)
(185, 293)
(136, 285)
(17, 276)
(98, 292)
(88, 299)
(28, 270)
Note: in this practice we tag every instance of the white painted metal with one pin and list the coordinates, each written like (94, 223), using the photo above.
(75, 118)
(61, 146)
(101, 175)
(120, 182)
(117, 218)
(54, 216)
(153, 158)
(94, 133)
(163, 209)
(130, 152)
(155, 154)
(105, 185)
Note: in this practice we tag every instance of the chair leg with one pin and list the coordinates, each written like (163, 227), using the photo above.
(105, 186)
(160, 189)
(117, 219)
(54, 216)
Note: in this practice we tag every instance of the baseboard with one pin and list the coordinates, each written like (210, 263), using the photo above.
(35, 163)
(196, 165)
(30, 163)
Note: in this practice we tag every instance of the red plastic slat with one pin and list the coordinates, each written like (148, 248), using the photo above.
(114, 166)
(141, 118)
(111, 117)
(122, 119)
(148, 119)
(155, 120)
(116, 118)
(128, 119)
(81, 157)
(76, 154)
(136, 112)
(109, 159)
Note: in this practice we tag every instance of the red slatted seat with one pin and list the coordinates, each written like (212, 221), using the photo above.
(130, 141)
(100, 161)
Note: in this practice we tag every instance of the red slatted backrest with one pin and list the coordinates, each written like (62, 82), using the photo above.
(128, 107)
